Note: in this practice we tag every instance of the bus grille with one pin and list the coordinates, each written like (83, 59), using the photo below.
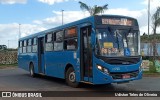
(120, 60)
(119, 75)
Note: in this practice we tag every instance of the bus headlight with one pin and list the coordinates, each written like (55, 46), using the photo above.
(99, 67)
(104, 70)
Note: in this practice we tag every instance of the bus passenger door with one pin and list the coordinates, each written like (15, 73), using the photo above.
(86, 54)
(41, 63)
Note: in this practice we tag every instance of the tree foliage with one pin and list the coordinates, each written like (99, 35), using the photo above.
(150, 38)
(93, 10)
(156, 23)
(156, 20)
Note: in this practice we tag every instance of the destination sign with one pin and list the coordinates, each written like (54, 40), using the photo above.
(117, 21)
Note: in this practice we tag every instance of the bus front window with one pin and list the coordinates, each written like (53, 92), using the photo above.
(117, 42)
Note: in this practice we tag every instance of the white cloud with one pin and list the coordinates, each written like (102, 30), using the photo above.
(153, 6)
(153, 3)
(69, 16)
(140, 15)
(13, 1)
(51, 2)
(125, 12)
(27, 29)
(9, 33)
(12, 30)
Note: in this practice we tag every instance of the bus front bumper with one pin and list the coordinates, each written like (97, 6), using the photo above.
(102, 78)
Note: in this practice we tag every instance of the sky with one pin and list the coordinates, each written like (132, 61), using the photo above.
(37, 15)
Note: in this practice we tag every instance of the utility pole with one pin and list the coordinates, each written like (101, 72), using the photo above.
(148, 16)
(148, 22)
(62, 17)
(19, 31)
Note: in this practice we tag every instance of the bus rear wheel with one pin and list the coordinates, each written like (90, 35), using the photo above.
(71, 78)
(31, 70)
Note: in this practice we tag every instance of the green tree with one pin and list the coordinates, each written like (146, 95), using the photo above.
(155, 23)
(156, 20)
(93, 10)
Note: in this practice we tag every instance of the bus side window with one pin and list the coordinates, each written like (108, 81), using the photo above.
(29, 43)
(34, 45)
(49, 42)
(70, 39)
(20, 46)
(58, 42)
(24, 46)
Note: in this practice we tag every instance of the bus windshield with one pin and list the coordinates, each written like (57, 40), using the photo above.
(117, 42)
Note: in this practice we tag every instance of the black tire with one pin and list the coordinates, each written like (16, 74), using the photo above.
(31, 70)
(71, 78)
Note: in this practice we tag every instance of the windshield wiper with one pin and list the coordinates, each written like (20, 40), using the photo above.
(126, 36)
(116, 41)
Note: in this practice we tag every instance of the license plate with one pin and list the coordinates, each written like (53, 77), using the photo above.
(125, 76)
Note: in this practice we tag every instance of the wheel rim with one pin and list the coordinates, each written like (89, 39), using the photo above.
(31, 71)
(72, 77)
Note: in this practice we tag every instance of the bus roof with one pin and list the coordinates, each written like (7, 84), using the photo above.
(72, 24)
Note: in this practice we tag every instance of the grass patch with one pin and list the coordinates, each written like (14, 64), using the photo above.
(4, 66)
(147, 73)
(9, 64)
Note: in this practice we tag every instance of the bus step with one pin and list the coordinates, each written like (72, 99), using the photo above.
(42, 74)
(87, 82)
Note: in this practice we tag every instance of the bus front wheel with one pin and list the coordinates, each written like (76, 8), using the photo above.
(71, 78)
(31, 70)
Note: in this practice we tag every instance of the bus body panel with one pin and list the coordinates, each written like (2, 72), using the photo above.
(101, 78)
(118, 68)
(107, 78)
(24, 61)
(55, 62)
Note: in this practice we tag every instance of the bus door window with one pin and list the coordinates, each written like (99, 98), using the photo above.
(86, 60)
(41, 55)
(42, 45)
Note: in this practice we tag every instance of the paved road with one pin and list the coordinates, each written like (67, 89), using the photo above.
(20, 80)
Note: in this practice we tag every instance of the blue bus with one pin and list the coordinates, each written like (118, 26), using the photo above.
(100, 49)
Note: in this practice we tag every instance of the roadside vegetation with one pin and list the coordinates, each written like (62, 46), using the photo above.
(153, 38)
(8, 66)
(151, 74)
(95, 10)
